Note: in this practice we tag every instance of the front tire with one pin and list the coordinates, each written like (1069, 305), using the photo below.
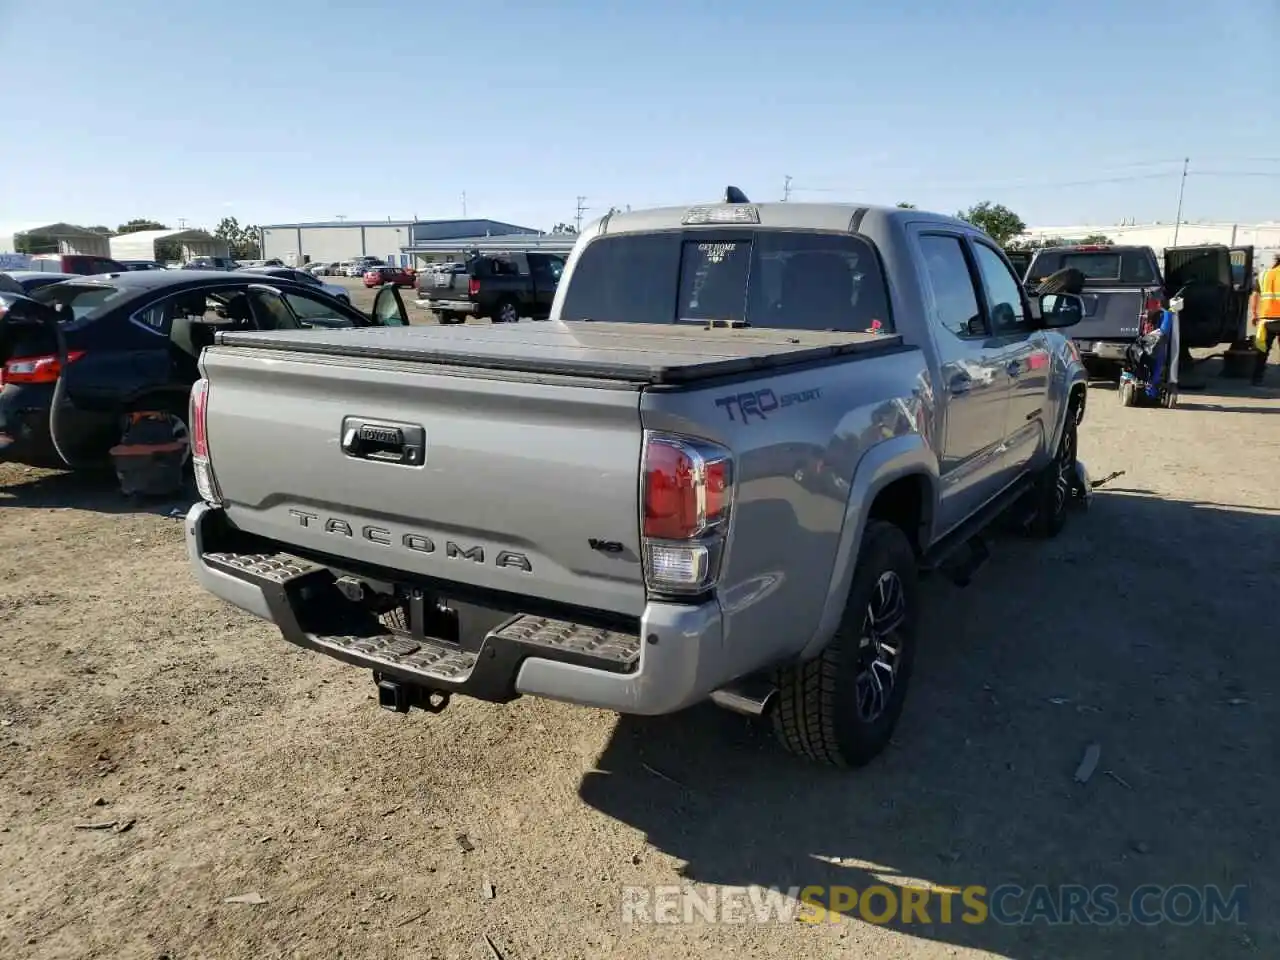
(841, 708)
(1052, 490)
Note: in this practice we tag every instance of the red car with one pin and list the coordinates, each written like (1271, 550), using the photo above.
(377, 276)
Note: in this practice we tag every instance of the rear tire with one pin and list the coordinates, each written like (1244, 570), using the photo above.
(507, 311)
(841, 707)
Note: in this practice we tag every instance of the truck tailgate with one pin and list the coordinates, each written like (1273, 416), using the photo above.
(518, 477)
(1111, 313)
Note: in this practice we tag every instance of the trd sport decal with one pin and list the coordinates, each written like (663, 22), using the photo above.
(761, 403)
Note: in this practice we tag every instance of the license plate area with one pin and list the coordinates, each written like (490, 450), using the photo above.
(434, 616)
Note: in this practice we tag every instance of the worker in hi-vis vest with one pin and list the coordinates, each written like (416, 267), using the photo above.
(1266, 314)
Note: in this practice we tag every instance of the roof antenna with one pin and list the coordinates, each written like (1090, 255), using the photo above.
(733, 195)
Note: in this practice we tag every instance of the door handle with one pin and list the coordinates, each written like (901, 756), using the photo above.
(384, 441)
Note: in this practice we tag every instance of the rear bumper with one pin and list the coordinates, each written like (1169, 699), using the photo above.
(24, 427)
(1102, 349)
(448, 306)
(674, 659)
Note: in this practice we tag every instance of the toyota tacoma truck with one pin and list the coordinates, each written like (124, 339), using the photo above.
(717, 473)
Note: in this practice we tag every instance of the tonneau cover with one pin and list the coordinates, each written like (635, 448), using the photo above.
(634, 353)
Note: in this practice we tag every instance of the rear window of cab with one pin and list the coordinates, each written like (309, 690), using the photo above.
(777, 279)
(1115, 266)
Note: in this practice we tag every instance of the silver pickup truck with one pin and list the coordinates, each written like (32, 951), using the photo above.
(715, 474)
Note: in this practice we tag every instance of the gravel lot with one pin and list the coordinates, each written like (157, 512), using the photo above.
(243, 766)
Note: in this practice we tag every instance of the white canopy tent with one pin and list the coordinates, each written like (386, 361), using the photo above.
(68, 238)
(142, 245)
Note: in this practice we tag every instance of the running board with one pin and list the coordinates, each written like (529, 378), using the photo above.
(957, 551)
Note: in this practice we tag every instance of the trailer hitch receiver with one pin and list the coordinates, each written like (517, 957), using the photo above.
(401, 697)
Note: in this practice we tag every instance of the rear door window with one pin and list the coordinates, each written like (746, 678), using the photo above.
(765, 278)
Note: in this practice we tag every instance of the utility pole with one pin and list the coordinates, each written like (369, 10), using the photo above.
(182, 223)
(577, 219)
(464, 204)
(1177, 221)
(786, 189)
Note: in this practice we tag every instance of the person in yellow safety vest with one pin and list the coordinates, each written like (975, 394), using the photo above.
(1266, 314)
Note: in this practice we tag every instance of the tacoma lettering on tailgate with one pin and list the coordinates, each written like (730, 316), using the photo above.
(417, 542)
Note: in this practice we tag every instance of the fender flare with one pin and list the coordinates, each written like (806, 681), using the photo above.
(906, 455)
(1077, 384)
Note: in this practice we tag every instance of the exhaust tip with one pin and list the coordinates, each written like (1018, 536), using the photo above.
(751, 699)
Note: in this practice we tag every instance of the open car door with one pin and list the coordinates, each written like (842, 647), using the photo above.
(33, 350)
(1242, 287)
(388, 308)
(1203, 274)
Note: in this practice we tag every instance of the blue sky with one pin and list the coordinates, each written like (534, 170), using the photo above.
(278, 110)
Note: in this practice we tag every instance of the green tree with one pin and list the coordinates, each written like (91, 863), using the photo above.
(903, 205)
(562, 228)
(1098, 239)
(137, 226)
(105, 231)
(999, 222)
(242, 241)
(33, 243)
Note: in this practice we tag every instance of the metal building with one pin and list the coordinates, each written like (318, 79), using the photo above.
(64, 238)
(184, 244)
(298, 243)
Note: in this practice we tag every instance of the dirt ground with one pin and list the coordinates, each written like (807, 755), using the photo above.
(240, 765)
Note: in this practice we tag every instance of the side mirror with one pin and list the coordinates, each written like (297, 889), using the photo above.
(1061, 310)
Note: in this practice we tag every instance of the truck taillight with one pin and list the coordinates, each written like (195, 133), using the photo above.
(42, 369)
(206, 483)
(686, 498)
(473, 287)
